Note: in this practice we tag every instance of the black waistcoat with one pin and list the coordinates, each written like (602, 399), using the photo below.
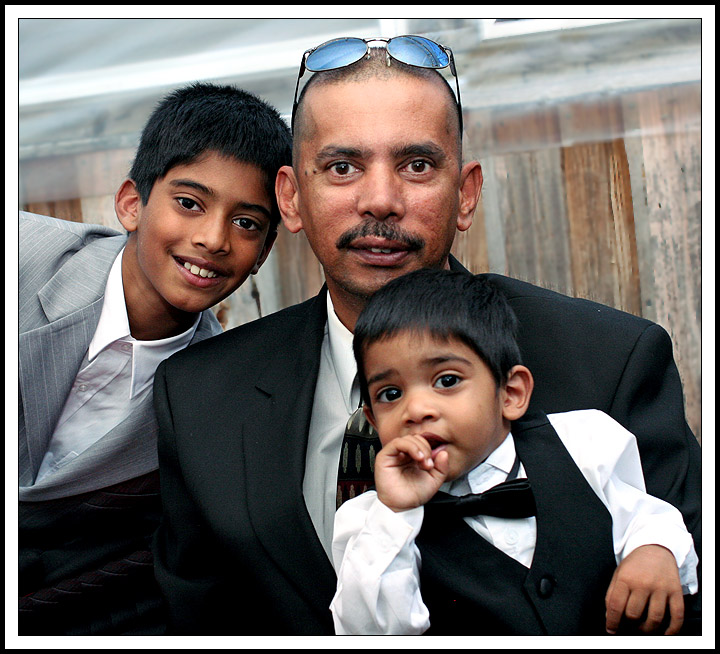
(471, 587)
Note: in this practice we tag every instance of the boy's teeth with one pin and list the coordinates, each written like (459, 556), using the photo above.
(380, 250)
(202, 272)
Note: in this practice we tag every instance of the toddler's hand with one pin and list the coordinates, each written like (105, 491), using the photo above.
(647, 577)
(406, 474)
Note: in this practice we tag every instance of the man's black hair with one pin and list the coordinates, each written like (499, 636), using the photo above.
(203, 118)
(446, 304)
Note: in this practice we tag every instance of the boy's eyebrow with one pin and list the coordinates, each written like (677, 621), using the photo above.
(208, 191)
(192, 184)
(425, 363)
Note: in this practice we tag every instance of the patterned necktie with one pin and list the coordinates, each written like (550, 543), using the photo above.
(510, 499)
(357, 457)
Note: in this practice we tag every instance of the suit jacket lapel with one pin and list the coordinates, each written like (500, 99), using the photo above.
(50, 356)
(274, 455)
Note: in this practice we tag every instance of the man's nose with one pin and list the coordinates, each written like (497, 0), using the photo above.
(381, 194)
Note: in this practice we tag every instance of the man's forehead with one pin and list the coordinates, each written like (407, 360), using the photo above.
(336, 107)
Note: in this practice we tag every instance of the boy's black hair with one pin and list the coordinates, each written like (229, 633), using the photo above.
(447, 304)
(202, 118)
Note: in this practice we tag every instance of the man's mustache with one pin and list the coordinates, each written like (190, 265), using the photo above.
(381, 230)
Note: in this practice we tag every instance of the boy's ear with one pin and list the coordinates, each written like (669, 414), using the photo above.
(288, 199)
(128, 205)
(369, 415)
(269, 240)
(517, 392)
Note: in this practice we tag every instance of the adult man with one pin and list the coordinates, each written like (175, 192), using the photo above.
(251, 422)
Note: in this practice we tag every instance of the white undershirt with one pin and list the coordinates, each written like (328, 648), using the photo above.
(335, 400)
(114, 379)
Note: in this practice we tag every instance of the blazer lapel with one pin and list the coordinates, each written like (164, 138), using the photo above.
(50, 356)
(127, 451)
(277, 447)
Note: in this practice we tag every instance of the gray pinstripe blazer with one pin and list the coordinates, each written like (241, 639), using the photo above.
(63, 269)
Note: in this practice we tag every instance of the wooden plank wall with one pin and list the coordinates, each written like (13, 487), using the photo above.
(597, 198)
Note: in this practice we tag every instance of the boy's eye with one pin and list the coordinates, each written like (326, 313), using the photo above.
(189, 204)
(447, 381)
(246, 223)
(389, 395)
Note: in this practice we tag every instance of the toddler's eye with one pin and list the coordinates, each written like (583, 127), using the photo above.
(389, 395)
(447, 381)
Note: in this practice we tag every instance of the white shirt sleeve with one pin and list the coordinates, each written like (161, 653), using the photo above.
(608, 457)
(378, 568)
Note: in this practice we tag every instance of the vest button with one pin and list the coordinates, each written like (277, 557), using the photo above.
(546, 586)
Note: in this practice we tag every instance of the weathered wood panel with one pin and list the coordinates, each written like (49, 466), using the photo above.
(598, 199)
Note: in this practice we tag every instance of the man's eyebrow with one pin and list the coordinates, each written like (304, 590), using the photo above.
(428, 149)
(248, 206)
(332, 151)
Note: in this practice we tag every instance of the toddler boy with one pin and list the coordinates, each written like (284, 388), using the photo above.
(569, 544)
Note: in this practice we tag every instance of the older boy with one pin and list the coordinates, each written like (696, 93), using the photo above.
(98, 312)
(442, 381)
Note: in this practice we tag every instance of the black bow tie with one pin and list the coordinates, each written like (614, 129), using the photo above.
(511, 499)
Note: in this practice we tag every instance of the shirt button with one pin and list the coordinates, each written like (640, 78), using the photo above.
(511, 536)
(82, 388)
(126, 347)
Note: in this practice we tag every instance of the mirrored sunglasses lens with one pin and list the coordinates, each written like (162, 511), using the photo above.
(418, 51)
(336, 54)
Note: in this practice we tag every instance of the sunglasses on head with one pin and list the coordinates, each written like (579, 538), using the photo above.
(412, 50)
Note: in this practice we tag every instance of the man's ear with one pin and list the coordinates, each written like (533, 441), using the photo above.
(288, 199)
(269, 240)
(128, 205)
(471, 180)
(517, 392)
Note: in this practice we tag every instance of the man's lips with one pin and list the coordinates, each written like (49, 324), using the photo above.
(380, 251)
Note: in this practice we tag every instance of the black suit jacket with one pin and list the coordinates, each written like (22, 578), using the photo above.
(237, 552)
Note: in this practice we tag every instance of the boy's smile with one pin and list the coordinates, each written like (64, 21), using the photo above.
(203, 230)
(440, 390)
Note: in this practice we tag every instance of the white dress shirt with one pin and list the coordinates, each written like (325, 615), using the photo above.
(115, 377)
(378, 563)
(336, 398)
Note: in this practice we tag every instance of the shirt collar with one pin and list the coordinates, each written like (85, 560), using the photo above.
(115, 326)
(343, 359)
(491, 471)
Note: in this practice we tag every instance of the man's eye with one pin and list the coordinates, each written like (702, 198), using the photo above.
(419, 166)
(447, 381)
(389, 394)
(246, 223)
(342, 168)
(189, 204)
